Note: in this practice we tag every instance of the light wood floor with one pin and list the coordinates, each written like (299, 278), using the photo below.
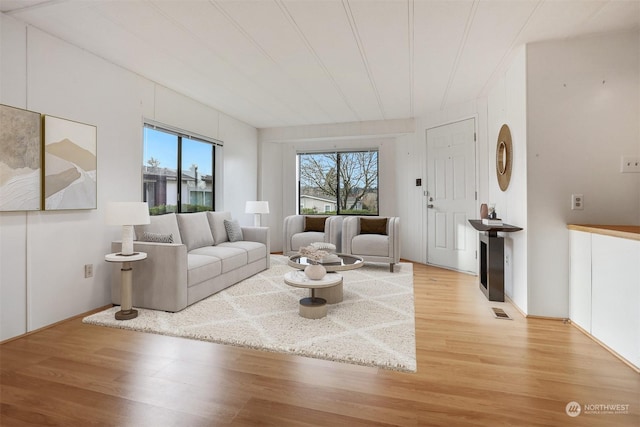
(472, 370)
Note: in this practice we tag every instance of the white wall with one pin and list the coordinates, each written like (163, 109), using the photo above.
(507, 105)
(583, 112)
(43, 253)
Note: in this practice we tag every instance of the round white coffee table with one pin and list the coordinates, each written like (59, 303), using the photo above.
(345, 262)
(312, 307)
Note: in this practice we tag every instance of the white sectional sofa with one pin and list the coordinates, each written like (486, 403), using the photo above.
(200, 262)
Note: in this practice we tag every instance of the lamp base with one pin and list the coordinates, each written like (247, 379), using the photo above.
(126, 314)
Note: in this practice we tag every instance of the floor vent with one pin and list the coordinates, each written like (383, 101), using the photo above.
(500, 313)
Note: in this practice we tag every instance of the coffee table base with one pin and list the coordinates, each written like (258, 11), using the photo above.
(313, 308)
(333, 295)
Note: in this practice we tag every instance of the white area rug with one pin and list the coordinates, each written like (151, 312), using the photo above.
(373, 326)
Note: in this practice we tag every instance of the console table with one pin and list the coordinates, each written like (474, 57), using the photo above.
(492, 258)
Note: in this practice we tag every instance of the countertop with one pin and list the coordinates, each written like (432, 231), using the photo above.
(624, 231)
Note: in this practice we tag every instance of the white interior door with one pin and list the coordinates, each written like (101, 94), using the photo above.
(451, 196)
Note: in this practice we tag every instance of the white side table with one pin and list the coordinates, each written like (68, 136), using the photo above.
(126, 310)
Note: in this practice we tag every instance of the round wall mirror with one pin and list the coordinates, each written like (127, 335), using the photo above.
(504, 157)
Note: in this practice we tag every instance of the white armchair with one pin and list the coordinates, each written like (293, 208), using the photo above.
(375, 239)
(302, 230)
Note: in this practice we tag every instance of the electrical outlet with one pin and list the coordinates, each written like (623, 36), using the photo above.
(507, 260)
(630, 164)
(88, 270)
(577, 202)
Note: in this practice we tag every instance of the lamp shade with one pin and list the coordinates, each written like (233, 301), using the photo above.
(257, 207)
(127, 213)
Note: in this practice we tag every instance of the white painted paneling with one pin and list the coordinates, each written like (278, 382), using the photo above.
(284, 63)
(383, 29)
(580, 279)
(240, 166)
(581, 119)
(490, 38)
(179, 111)
(53, 246)
(616, 294)
(270, 27)
(13, 274)
(13, 63)
(507, 104)
(326, 26)
(438, 34)
(13, 289)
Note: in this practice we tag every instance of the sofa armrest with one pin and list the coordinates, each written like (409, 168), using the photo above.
(160, 280)
(256, 234)
(260, 235)
(350, 229)
(393, 230)
(293, 224)
(333, 231)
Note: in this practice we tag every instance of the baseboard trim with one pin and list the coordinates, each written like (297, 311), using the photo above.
(606, 347)
(95, 310)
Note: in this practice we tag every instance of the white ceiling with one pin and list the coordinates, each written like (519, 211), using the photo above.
(277, 63)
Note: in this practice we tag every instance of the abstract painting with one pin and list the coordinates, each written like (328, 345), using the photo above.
(70, 164)
(20, 159)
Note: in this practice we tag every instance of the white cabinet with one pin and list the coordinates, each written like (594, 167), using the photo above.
(605, 290)
(615, 292)
(580, 279)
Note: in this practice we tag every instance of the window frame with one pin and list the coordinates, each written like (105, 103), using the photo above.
(180, 134)
(337, 201)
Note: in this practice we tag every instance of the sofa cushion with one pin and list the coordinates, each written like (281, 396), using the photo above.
(305, 239)
(230, 257)
(373, 225)
(234, 232)
(255, 250)
(370, 244)
(216, 224)
(314, 223)
(161, 224)
(194, 229)
(201, 268)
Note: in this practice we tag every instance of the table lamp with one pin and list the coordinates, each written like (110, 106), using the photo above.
(257, 208)
(127, 214)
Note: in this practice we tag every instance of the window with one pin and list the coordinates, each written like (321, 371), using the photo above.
(177, 171)
(342, 183)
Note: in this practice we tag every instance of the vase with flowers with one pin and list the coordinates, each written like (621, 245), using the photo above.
(315, 270)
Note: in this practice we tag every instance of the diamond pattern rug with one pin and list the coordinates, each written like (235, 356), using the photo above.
(373, 326)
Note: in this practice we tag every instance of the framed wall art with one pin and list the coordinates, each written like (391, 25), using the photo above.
(70, 164)
(20, 160)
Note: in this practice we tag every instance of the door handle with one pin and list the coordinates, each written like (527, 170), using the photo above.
(430, 206)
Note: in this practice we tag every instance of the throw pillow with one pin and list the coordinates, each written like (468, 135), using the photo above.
(216, 222)
(194, 229)
(233, 230)
(314, 223)
(156, 237)
(373, 226)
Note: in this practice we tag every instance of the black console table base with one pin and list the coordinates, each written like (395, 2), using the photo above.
(492, 258)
